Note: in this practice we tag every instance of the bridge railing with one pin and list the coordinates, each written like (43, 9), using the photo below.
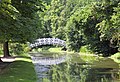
(48, 41)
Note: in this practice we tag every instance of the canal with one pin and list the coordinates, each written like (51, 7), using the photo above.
(75, 68)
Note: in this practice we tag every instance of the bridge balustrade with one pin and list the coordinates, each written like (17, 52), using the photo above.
(48, 41)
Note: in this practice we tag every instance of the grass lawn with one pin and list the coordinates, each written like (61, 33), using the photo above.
(116, 57)
(21, 70)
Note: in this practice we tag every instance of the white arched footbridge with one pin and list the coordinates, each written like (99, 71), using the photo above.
(48, 41)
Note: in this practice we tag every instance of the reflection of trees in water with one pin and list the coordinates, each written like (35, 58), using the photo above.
(115, 74)
(69, 72)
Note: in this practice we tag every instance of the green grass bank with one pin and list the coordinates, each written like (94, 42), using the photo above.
(21, 70)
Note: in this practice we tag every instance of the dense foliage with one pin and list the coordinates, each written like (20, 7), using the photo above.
(91, 23)
(19, 21)
(94, 23)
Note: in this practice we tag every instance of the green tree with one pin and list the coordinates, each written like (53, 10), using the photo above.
(18, 21)
(76, 25)
(110, 29)
(108, 26)
(92, 22)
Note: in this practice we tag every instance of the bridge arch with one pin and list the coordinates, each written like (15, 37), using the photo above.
(47, 41)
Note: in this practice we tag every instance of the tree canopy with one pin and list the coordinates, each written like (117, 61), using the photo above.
(91, 23)
(19, 20)
(94, 23)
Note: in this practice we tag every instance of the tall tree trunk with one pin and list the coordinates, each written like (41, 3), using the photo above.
(6, 49)
(0, 60)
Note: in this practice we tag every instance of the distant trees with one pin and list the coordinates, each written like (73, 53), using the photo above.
(108, 30)
(94, 23)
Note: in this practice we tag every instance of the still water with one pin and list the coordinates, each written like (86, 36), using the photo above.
(76, 68)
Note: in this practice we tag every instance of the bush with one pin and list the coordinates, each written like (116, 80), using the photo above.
(17, 48)
(84, 49)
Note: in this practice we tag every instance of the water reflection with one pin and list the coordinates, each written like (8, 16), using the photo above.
(79, 69)
(67, 72)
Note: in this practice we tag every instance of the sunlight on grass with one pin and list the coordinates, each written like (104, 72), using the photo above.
(22, 70)
(23, 59)
(116, 57)
(55, 49)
